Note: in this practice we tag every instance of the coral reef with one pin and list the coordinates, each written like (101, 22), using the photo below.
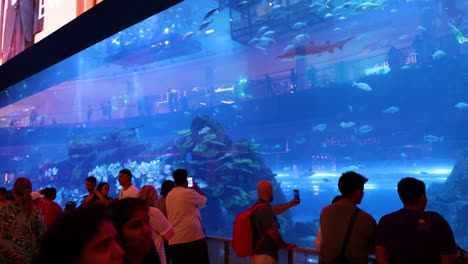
(230, 169)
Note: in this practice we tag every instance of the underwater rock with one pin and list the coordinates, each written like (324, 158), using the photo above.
(231, 171)
(451, 199)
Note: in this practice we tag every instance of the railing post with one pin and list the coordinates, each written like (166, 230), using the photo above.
(290, 253)
(226, 252)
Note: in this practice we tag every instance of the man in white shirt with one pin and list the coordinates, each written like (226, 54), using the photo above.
(188, 245)
(128, 189)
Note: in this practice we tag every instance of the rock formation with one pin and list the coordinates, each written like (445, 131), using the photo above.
(451, 199)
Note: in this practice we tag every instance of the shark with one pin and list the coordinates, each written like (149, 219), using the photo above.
(313, 49)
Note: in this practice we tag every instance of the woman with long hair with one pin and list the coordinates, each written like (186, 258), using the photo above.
(22, 226)
(102, 193)
(94, 242)
(131, 220)
(166, 187)
(162, 229)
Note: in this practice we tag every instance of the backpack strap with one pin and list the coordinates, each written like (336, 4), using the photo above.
(348, 232)
(252, 209)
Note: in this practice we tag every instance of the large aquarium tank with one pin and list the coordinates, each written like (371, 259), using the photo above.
(293, 91)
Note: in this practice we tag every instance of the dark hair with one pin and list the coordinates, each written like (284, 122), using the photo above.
(166, 187)
(4, 191)
(91, 179)
(410, 190)
(350, 182)
(22, 187)
(65, 232)
(49, 193)
(337, 199)
(123, 210)
(101, 185)
(70, 206)
(126, 172)
(180, 176)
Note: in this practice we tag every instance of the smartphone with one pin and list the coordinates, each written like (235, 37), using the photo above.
(296, 195)
(190, 182)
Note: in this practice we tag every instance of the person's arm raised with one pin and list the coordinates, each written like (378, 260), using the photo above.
(281, 208)
(196, 188)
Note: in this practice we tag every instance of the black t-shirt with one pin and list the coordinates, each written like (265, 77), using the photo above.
(92, 201)
(263, 219)
(415, 237)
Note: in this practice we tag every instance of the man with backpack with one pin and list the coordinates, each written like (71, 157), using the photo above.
(348, 233)
(266, 236)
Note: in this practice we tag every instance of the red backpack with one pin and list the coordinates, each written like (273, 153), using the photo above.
(242, 235)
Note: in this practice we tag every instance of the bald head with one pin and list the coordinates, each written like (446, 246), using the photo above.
(265, 190)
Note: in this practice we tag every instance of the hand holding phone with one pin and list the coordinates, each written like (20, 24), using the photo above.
(190, 182)
(296, 195)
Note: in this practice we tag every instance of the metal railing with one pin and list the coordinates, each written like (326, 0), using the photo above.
(220, 252)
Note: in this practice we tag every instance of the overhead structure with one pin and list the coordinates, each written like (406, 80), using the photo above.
(283, 21)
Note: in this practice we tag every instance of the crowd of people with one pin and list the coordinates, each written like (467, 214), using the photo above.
(136, 227)
(139, 227)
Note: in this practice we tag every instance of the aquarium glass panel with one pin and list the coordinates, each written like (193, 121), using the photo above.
(293, 91)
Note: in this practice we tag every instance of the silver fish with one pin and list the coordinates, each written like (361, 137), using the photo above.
(262, 30)
(391, 110)
(300, 38)
(363, 86)
(319, 127)
(205, 24)
(241, 4)
(461, 105)
(299, 25)
(188, 35)
(347, 124)
(269, 34)
(210, 13)
(364, 129)
(433, 139)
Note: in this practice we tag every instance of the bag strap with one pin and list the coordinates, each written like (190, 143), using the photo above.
(252, 209)
(348, 232)
(259, 242)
